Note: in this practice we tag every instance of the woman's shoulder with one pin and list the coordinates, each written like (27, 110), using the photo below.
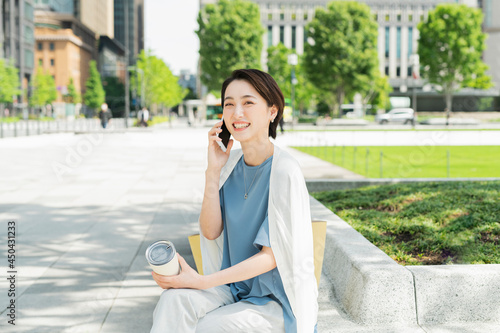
(285, 161)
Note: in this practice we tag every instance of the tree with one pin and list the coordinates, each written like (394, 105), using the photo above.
(161, 87)
(377, 92)
(279, 68)
(44, 89)
(9, 82)
(341, 55)
(73, 96)
(450, 48)
(94, 95)
(115, 95)
(230, 36)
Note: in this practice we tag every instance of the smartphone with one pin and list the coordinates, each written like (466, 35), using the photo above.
(224, 135)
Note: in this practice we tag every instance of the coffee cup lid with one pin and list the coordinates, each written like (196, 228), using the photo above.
(160, 252)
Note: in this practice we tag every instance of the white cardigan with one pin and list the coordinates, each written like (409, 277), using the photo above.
(290, 233)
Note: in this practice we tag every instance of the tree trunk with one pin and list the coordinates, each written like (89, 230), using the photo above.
(340, 100)
(449, 101)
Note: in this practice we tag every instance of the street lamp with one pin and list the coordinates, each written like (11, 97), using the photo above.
(293, 60)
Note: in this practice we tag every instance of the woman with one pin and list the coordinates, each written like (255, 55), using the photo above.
(256, 228)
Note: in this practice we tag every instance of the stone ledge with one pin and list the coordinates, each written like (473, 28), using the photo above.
(370, 286)
(457, 293)
(374, 290)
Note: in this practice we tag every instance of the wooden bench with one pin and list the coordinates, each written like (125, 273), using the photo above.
(319, 237)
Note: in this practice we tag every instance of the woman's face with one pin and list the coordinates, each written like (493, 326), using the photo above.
(246, 112)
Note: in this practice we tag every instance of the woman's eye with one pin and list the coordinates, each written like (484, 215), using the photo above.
(249, 102)
(228, 104)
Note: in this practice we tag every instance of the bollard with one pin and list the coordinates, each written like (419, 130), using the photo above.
(381, 164)
(343, 155)
(354, 158)
(448, 163)
(366, 161)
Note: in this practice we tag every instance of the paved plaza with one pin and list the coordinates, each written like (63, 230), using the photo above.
(85, 208)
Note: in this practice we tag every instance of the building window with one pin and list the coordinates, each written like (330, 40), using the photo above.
(51, 62)
(410, 41)
(29, 58)
(282, 16)
(282, 34)
(51, 46)
(409, 72)
(294, 37)
(387, 42)
(387, 70)
(410, 18)
(305, 16)
(398, 71)
(29, 36)
(399, 17)
(376, 17)
(40, 62)
(398, 41)
(269, 35)
(294, 16)
(270, 16)
(40, 46)
(387, 17)
(422, 17)
(28, 11)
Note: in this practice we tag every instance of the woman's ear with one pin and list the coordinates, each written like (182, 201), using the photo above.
(274, 112)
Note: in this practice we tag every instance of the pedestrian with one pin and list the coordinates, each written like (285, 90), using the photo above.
(143, 117)
(282, 123)
(255, 226)
(105, 115)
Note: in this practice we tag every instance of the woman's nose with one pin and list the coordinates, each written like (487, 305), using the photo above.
(238, 112)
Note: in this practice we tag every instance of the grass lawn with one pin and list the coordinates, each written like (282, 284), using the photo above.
(425, 223)
(413, 161)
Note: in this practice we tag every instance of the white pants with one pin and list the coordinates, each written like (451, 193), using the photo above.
(213, 310)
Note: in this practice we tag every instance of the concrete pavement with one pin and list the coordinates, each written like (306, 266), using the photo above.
(87, 206)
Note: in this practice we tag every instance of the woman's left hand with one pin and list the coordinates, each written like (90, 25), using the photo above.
(188, 278)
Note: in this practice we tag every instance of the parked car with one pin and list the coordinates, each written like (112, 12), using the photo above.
(402, 116)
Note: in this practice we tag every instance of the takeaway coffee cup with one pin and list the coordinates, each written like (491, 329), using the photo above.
(162, 257)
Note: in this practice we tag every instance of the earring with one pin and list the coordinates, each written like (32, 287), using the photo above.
(272, 120)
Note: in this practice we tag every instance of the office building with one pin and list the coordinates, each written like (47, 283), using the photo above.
(491, 26)
(133, 22)
(17, 40)
(64, 48)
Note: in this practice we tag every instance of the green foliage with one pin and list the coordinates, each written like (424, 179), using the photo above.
(450, 48)
(44, 89)
(281, 71)
(94, 95)
(230, 36)
(279, 68)
(425, 223)
(9, 81)
(341, 57)
(160, 85)
(115, 95)
(72, 96)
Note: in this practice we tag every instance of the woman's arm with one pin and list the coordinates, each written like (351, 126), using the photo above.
(210, 216)
(258, 264)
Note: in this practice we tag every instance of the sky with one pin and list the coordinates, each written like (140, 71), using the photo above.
(169, 31)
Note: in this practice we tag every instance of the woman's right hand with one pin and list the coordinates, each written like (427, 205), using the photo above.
(216, 157)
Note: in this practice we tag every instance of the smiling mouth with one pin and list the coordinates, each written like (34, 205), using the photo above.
(238, 126)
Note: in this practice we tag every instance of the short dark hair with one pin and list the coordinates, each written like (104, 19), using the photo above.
(266, 86)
